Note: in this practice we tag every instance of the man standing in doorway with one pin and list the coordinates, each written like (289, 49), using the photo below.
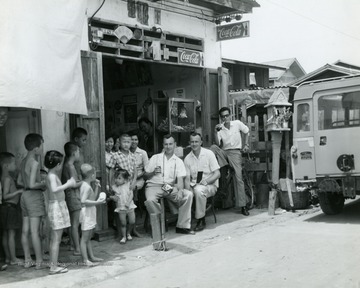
(228, 151)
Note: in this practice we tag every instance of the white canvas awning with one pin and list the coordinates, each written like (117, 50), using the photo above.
(40, 64)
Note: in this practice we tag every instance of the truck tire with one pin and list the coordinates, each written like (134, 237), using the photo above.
(331, 203)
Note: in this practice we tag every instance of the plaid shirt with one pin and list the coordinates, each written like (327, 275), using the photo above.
(110, 160)
(125, 161)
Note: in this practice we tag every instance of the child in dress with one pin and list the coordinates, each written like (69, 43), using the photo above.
(125, 205)
(57, 210)
(88, 213)
(10, 213)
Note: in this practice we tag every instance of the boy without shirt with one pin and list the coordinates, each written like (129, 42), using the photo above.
(32, 200)
(10, 214)
(79, 137)
(72, 195)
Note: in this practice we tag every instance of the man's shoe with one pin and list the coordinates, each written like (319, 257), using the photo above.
(184, 231)
(200, 225)
(244, 211)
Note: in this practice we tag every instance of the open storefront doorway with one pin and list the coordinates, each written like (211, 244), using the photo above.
(135, 89)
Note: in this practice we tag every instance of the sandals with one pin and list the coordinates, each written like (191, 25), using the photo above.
(3, 267)
(123, 240)
(58, 270)
(29, 264)
(41, 266)
(129, 237)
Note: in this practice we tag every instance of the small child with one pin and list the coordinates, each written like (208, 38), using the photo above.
(32, 199)
(126, 160)
(10, 213)
(125, 204)
(88, 213)
(72, 195)
(57, 210)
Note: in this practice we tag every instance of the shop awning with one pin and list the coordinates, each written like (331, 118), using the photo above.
(252, 97)
(40, 64)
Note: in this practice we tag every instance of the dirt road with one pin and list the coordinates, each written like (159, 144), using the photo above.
(307, 251)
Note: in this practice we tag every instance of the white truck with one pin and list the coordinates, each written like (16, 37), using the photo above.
(326, 140)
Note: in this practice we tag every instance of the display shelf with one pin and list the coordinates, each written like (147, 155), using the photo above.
(182, 123)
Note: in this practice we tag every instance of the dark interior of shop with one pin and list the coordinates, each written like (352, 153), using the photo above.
(134, 89)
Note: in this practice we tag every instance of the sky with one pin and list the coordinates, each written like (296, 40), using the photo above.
(315, 32)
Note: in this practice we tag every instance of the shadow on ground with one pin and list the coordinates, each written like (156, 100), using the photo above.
(112, 251)
(349, 215)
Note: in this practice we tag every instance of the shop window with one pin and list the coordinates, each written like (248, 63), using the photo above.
(339, 111)
(303, 117)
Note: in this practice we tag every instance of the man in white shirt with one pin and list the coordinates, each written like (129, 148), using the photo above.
(202, 174)
(228, 138)
(167, 168)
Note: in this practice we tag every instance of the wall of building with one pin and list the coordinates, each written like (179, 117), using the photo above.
(116, 10)
(55, 130)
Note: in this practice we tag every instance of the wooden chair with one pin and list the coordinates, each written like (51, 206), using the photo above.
(210, 206)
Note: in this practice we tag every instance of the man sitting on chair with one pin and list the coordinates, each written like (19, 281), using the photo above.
(202, 174)
(162, 171)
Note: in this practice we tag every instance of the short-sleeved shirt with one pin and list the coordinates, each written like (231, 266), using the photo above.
(110, 160)
(142, 159)
(231, 138)
(170, 169)
(206, 163)
(126, 161)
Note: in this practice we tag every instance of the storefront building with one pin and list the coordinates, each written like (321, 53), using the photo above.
(157, 59)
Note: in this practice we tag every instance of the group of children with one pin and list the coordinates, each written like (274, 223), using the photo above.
(67, 202)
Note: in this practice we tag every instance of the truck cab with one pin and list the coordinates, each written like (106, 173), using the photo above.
(326, 140)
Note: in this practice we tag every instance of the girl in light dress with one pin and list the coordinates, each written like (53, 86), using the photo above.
(125, 206)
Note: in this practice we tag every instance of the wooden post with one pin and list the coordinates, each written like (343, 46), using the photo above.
(158, 228)
(162, 218)
(288, 168)
(276, 137)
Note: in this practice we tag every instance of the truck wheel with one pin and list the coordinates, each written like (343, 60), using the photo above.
(331, 203)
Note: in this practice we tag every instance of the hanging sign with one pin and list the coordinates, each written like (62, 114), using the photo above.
(232, 31)
(190, 57)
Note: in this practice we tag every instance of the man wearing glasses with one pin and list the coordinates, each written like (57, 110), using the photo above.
(228, 138)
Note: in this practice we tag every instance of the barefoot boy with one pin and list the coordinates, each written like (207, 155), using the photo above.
(32, 199)
(79, 137)
(72, 195)
(88, 213)
(10, 214)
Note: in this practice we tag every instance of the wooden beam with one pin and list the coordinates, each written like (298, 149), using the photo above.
(227, 6)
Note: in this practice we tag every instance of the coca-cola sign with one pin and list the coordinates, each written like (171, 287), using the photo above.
(232, 31)
(189, 57)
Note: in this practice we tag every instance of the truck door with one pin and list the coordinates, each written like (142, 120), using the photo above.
(337, 129)
(303, 165)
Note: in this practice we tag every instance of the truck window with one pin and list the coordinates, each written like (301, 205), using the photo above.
(339, 111)
(303, 118)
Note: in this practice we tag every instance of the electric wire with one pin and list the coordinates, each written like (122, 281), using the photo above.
(314, 21)
(93, 45)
